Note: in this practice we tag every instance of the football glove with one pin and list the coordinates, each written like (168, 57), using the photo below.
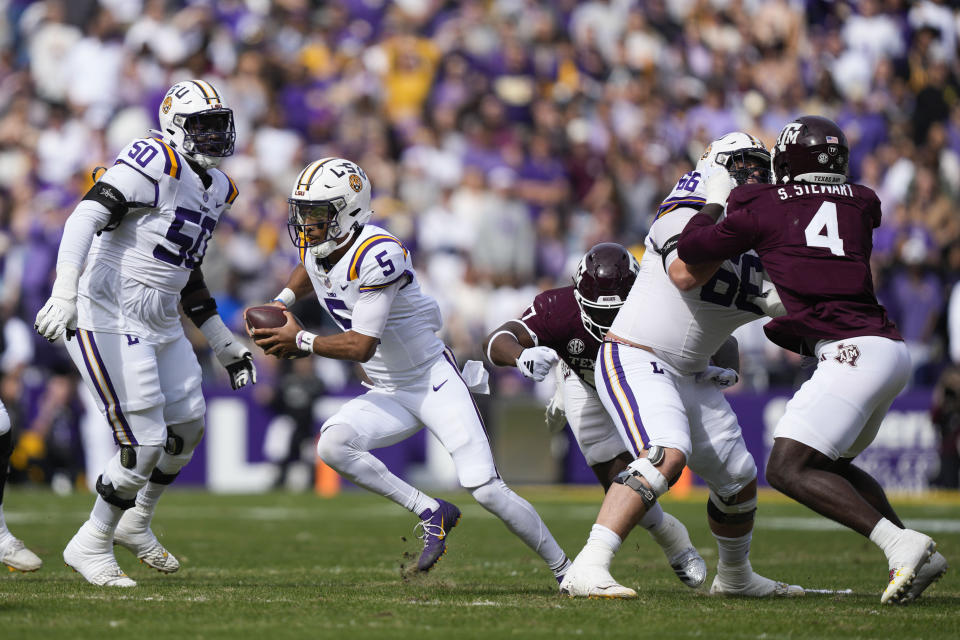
(556, 416)
(719, 376)
(60, 311)
(535, 362)
(232, 354)
(717, 185)
(770, 303)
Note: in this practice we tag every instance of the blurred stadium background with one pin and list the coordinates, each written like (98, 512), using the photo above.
(503, 138)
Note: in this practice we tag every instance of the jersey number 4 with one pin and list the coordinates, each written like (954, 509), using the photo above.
(189, 232)
(823, 230)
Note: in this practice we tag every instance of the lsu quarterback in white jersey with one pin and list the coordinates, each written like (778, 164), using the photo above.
(654, 377)
(365, 278)
(141, 232)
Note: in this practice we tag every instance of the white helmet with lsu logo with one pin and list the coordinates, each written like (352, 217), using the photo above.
(743, 156)
(195, 121)
(330, 200)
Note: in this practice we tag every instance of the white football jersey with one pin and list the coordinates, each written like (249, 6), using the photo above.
(376, 260)
(685, 328)
(134, 273)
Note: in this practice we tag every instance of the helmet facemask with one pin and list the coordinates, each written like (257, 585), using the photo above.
(208, 135)
(315, 225)
(747, 166)
(598, 315)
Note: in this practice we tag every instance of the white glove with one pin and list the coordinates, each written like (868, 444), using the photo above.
(717, 185)
(230, 351)
(60, 311)
(556, 416)
(535, 362)
(719, 376)
(769, 302)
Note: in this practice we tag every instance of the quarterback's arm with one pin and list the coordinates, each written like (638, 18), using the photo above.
(298, 285)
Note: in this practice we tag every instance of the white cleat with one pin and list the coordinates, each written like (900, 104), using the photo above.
(146, 547)
(911, 552)
(90, 554)
(755, 586)
(926, 576)
(690, 568)
(17, 557)
(593, 582)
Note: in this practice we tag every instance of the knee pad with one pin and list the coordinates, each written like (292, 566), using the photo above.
(644, 478)
(742, 470)
(491, 493)
(724, 511)
(127, 472)
(335, 444)
(182, 439)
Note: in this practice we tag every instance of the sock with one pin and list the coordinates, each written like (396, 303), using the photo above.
(148, 497)
(734, 551)
(4, 532)
(522, 519)
(423, 503)
(653, 518)
(105, 516)
(671, 535)
(885, 535)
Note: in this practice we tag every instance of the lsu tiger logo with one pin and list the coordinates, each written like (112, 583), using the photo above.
(167, 103)
(356, 183)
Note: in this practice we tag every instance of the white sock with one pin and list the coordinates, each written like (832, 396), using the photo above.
(149, 496)
(653, 518)
(422, 502)
(671, 535)
(734, 551)
(885, 535)
(105, 516)
(522, 519)
(4, 532)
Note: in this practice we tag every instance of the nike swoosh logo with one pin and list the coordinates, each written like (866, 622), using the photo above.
(219, 204)
(343, 287)
(436, 387)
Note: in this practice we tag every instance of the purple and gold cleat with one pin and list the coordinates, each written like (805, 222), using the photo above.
(436, 525)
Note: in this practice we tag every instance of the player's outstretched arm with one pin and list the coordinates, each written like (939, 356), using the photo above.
(511, 345)
(233, 354)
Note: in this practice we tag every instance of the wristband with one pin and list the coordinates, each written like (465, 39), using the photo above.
(286, 297)
(305, 341)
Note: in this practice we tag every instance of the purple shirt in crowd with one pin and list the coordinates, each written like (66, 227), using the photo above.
(815, 243)
(554, 321)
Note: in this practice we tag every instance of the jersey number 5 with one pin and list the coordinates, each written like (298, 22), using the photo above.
(823, 230)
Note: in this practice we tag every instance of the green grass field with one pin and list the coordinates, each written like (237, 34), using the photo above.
(296, 566)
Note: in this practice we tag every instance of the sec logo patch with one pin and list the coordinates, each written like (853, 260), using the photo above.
(575, 346)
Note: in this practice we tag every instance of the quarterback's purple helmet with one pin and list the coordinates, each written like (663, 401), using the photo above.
(811, 149)
(603, 279)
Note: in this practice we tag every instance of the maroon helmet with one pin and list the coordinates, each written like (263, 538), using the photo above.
(811, 149)
(603, 279)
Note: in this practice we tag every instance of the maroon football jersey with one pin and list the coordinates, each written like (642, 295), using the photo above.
(554, 319)
(815, 243)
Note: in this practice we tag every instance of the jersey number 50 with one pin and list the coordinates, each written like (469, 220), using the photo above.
(189, 232)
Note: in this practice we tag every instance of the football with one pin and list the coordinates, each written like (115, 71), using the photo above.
(264, 317)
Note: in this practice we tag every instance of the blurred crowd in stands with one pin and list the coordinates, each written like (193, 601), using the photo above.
(503, 138)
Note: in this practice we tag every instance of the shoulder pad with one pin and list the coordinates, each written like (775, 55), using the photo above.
(378, 261)
(232, 191)
(671, 204)
(153, 158)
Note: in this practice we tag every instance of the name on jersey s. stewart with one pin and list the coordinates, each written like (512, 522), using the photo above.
(795, 190)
